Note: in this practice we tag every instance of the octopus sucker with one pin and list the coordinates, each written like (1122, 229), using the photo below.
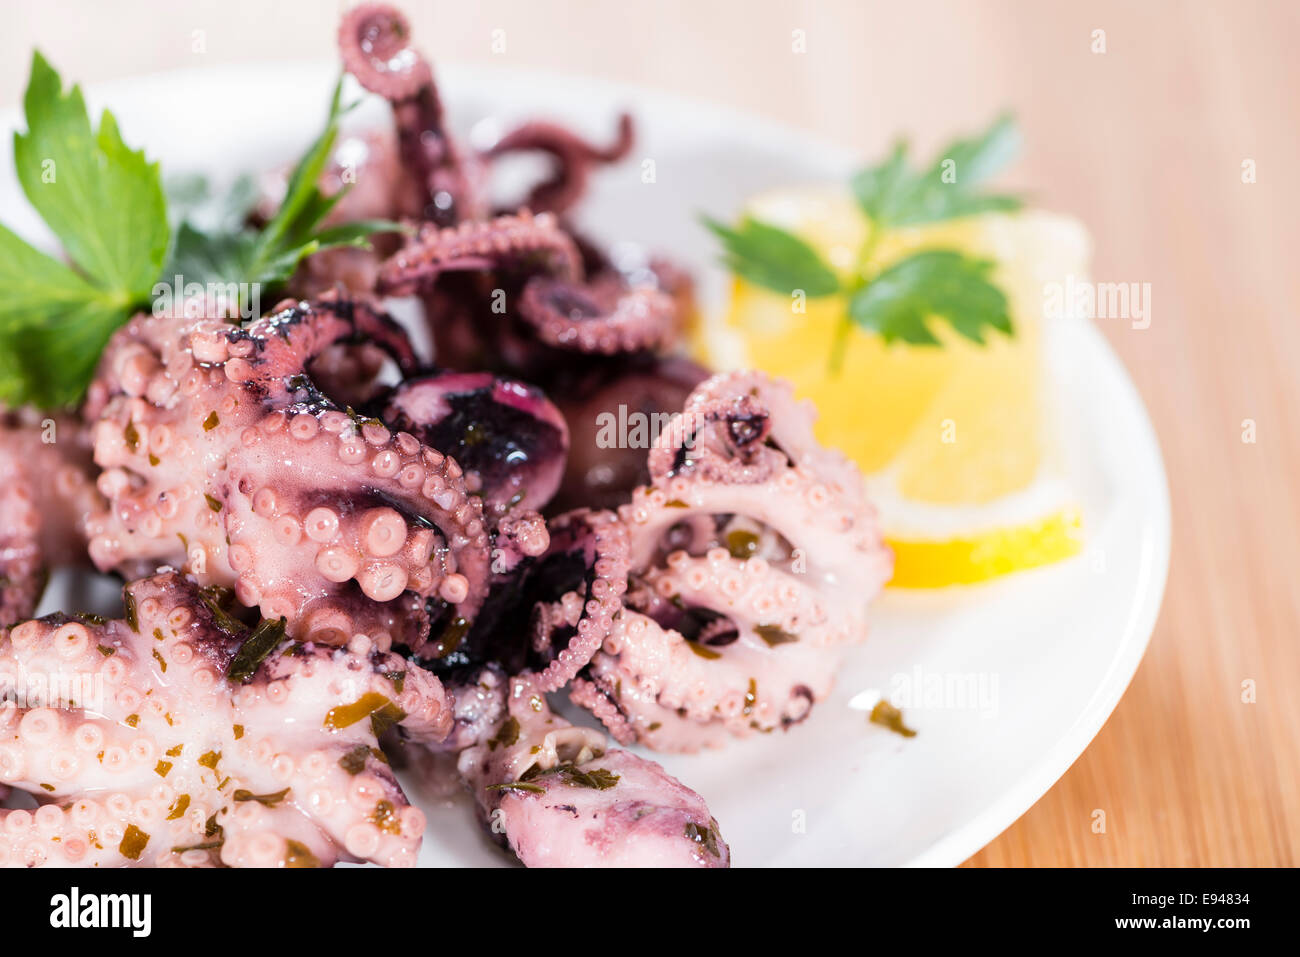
(221, 456)
(177, 737)
(572, 160)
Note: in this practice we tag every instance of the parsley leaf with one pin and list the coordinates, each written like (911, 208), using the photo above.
(269, 257)
(774, 259)
(936, 282)
(102, 200)
(891, 196)
(896, 300)
(105, 203)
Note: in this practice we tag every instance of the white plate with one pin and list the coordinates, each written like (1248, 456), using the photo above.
(1061, 643)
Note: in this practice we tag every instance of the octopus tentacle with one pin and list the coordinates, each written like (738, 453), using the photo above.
(753, 556)
(573, 159)
(566, 632)
(605, 316)
(169, 737)
(509, 241)
(374, 42)
(221, 455)
(556, 797)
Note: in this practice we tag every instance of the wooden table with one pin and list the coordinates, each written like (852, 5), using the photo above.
(1145, 143)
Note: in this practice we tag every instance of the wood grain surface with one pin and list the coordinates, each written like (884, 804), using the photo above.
(1145, 143)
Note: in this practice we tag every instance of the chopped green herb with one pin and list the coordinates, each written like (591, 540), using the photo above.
(742, 544)
(382, 713)
(132, 619)
(354, 761)
(704, 835)
(269, 800)
(264, 639)
(703, 650)
(518, 786)
(179, 808)
(451, 637)
(775, 635)
(506, 735)
(888, 716)
(133, 843)
(297, 855)
(599, 779)
(385, 818)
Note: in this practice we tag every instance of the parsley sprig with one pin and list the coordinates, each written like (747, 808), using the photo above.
(106, 205)
(896, 300)
(270, 255)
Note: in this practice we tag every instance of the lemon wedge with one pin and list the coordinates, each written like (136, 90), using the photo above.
(956, 440)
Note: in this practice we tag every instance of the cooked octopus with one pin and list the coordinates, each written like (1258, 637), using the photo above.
(333, 543)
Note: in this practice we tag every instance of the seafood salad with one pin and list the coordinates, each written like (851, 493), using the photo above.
(339, 548)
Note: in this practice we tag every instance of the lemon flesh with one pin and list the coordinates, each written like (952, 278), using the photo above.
(955, 439)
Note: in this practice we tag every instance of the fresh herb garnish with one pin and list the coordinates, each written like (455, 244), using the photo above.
(704, 835)
(598, 779)
(896, 300)
(270, 255)
(506, 735)
(268, 800)
(354, 761)
(774, 259)
(517, 786)
(775, 635)
(106, 205)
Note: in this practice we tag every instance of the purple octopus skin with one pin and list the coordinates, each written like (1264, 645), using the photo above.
(177, 737)
(555, 796)
(508, 438)
(46, 490)
(222, 457)
(572, 160)
(753, 556)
